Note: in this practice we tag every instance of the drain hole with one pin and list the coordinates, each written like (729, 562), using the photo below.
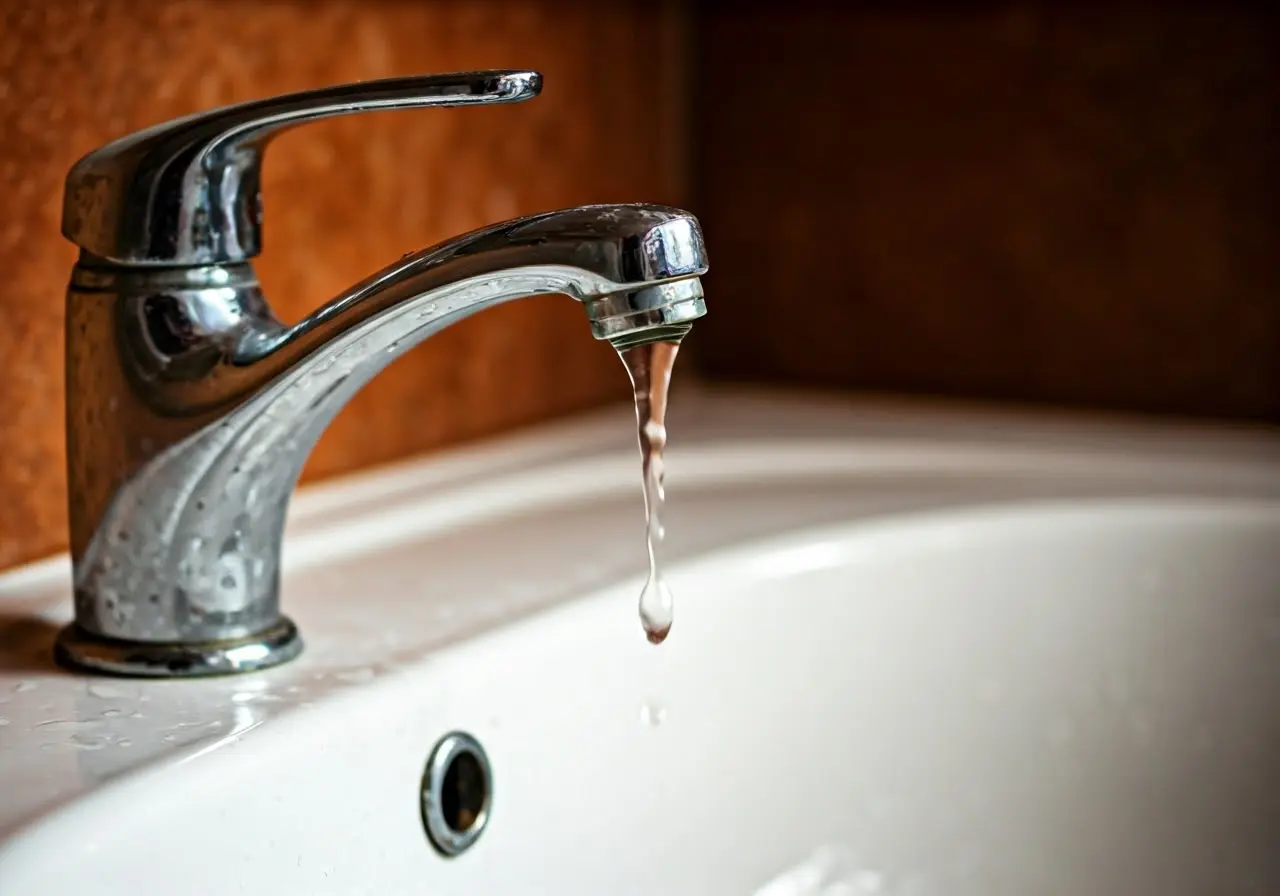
(456, 792)
(465, 789)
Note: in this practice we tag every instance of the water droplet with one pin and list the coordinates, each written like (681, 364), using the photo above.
(169, 738)
(110, 713)
(24, 686)
(426, 311)
(67, 724)
(656, 609)
(3, 721)
(124, 742)
(652, 713)
(104, 691)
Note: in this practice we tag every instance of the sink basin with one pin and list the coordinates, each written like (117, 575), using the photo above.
(916, 650)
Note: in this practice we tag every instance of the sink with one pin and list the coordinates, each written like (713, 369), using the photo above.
(917, 649)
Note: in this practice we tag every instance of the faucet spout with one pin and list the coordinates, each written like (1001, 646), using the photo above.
(192, 410)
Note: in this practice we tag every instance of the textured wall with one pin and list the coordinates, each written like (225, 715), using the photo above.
(1073, 202)
(342, 197)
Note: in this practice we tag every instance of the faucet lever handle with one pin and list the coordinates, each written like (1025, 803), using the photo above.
(187, 192)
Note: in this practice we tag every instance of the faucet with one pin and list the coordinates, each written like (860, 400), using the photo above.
(191, 409)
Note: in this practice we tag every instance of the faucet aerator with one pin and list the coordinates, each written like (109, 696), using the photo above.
(662, 312)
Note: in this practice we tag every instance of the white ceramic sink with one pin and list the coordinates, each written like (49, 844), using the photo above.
(915, 651)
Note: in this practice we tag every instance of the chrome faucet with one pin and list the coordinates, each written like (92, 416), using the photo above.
(191, 409)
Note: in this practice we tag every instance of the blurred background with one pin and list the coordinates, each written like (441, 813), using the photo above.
(1065, 204)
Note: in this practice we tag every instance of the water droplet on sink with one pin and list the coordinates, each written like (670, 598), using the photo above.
(23, 686)
(110, 713)
(124, 742)
(67, 724)
(652, 713)
(104, 691)
(3, 721)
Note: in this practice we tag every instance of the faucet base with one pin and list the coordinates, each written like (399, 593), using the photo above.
(82, 651)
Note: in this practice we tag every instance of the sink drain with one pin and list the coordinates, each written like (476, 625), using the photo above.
(457, 787)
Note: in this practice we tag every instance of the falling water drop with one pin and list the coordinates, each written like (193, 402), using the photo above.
(649, 366)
